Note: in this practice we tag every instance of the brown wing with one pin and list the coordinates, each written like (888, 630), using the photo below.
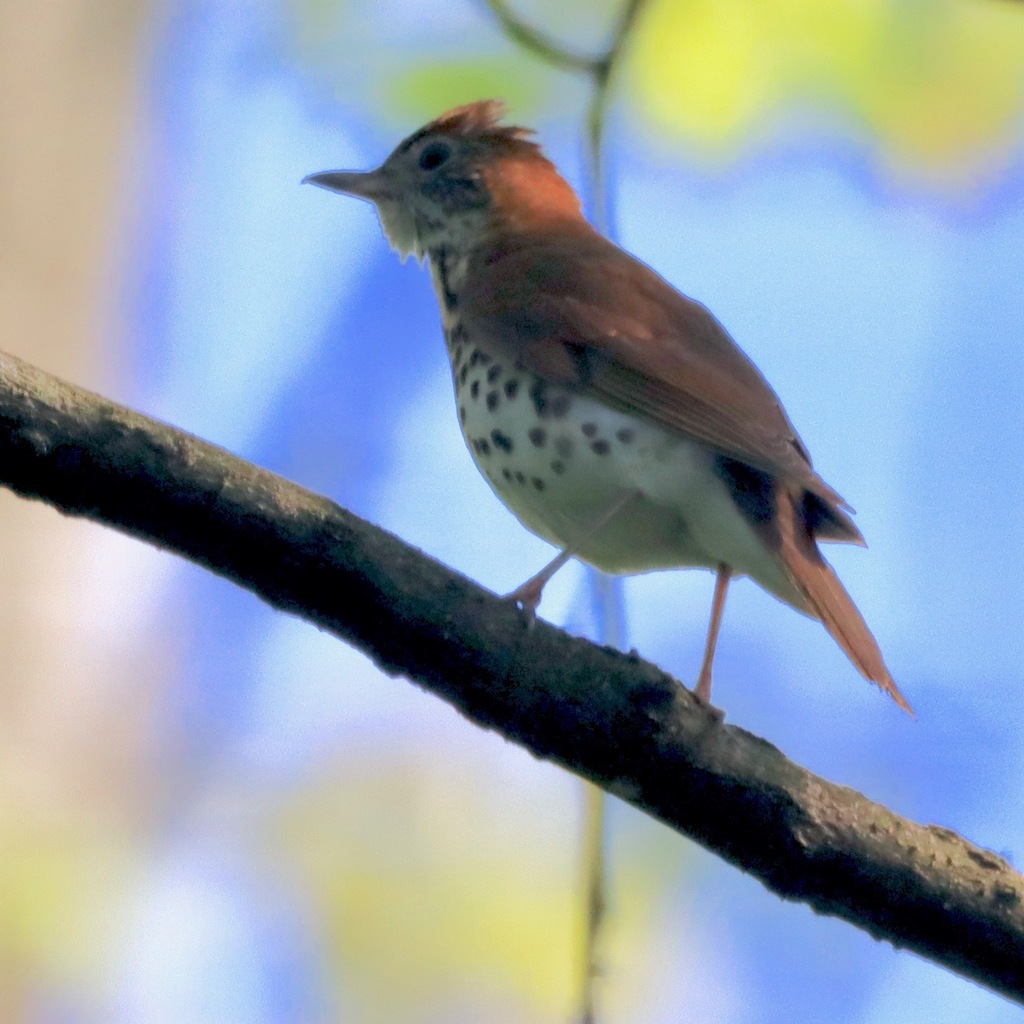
(577, 310)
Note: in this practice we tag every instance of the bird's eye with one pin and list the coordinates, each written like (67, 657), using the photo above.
(434, 155)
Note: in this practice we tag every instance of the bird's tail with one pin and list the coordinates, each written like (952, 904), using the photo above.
(827, 598)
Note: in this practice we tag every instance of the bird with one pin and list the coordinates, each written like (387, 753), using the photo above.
(614, 416)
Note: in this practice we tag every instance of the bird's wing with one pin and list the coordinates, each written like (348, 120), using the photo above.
(579, 311)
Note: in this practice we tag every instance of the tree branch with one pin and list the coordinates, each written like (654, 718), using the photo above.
(610, 717)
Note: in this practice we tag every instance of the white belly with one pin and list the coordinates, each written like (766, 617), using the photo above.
(559, 461)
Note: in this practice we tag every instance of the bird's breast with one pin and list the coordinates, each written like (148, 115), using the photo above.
(559, 458)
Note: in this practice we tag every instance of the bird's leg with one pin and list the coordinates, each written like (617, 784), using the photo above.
(529, 594)
(703, 687)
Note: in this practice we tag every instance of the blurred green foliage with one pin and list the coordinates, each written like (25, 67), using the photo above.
(435, 894)
(936, 87)
(426, 87)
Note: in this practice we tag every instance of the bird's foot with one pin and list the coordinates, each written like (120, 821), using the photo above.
(702, 691)
(528, 596)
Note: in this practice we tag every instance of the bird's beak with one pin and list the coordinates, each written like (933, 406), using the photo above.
(364, 184)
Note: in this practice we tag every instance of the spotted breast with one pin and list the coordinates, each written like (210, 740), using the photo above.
(558, 459)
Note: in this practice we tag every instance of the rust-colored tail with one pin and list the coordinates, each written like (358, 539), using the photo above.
(827, 598)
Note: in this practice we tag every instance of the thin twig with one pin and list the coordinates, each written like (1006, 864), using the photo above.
(608, 592)
(600, 68)
(601, 71)
(537, 43)
(595, 899)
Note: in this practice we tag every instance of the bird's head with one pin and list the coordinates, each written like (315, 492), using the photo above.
(456, 179)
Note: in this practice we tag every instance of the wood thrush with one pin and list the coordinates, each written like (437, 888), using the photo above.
(614, 416)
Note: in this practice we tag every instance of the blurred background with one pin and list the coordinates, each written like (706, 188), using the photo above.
(209, 811)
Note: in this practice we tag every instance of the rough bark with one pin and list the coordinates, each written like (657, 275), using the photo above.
(610, 717)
